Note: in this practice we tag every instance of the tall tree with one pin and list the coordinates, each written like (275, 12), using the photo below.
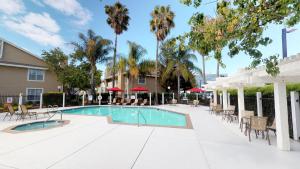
(197, 40)
(118, 19)
(161, 23)
(248, 21)
(92, 49)
(57, 61)
(178, 61)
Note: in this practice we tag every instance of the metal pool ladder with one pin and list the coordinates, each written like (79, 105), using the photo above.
(54, 109)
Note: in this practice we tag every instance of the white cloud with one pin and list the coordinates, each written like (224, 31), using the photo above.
(43, 21)
(71, 8)
(38, 2)
(38, 27)
(11, 7)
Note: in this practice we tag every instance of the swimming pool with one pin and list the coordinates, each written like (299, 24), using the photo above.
(130, 115)
(34, 126)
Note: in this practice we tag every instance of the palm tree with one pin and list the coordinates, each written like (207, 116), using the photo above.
(178, 61)
(161, 23)
(92, 49)
(134, 65)
(199, 44)
(118, 19)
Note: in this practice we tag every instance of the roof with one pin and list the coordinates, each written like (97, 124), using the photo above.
(11, 64)
(289, 72)
(18, 47)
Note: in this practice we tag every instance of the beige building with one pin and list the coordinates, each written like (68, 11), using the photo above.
(125, 83)
(23, 72)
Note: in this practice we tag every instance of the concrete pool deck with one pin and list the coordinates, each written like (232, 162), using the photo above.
(89, 142)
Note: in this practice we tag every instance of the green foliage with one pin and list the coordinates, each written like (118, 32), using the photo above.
(52, 98)
(91, 50)
(177, 60)
(57, 61)
(196, 3)
(162, 21)
(267, 91)
(118, 17)
(272, 65)
(245, 23)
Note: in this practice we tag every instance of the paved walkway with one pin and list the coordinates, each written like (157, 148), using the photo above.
(89, 142)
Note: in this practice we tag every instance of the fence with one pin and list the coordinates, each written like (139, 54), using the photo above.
(268, 108)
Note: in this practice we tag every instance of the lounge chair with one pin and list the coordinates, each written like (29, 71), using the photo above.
(258, 124)
(121, 102)
(174, 101)
(135, 103)
(195, 103)
(127, 102)
(144, 102)
(11, 112)
(114, 101)
(25, 113)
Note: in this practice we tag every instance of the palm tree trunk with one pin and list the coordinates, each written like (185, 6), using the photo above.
(178, 86)
(203, 69)
(218, 69)
(156, 72)
(92, 82)
(114, 61)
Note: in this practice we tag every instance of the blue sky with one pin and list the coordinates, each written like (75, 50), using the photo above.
(38, 25)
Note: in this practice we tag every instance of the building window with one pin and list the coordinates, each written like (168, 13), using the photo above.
(36, 75)
(34, 94)
(141, 80)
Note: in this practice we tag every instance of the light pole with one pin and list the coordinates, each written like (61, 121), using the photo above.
(284, 43)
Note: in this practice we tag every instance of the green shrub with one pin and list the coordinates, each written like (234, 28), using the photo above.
(53, 98)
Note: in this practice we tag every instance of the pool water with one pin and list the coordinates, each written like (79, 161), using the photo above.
(38, 125)
(130, 115)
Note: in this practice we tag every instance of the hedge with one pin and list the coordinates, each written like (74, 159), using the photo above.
(267, 90)
(52, 98)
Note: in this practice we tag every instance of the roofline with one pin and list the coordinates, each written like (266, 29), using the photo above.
(22, 66)
(22, 49)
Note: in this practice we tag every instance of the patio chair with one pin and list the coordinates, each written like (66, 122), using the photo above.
(258, 124)
(229, 113)
(174, 101)
(114, 101)
(121, 102)
(195, 103)
(135, 103)
(11, 112)
(218, 109)
(245, 119)
(211, 108)
(25, 113)
(127, 102)
(144, 102)
(273, 126)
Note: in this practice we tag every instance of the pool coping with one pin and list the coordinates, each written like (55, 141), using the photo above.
(11, 131)
(188, 125)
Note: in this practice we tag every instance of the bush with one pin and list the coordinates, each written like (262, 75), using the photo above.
(53, 98)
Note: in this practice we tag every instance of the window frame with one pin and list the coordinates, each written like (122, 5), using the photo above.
(27, 89)
(28, 75)
(139, 80)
